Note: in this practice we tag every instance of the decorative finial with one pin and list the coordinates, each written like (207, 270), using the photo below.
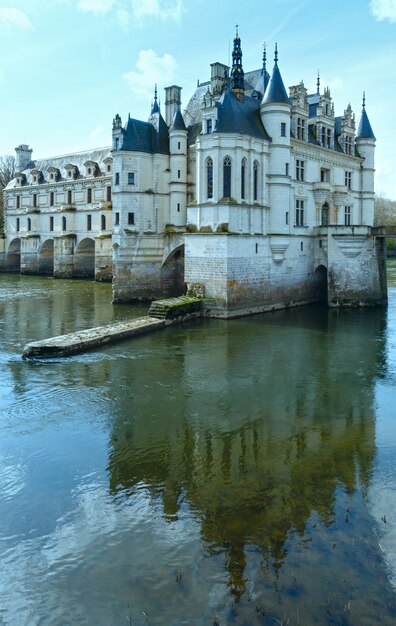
(264, 56)
(155, 93)
(236, 29)
(318, 84)
(364, 99)
(276, 54)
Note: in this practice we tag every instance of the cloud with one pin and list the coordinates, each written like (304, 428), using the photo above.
(162, 9)
(384, 10)
(95, 6)
(14, 18)
(150, 69)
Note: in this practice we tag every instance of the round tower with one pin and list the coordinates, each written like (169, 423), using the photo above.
(178, 170)
(365, 144)
(275, 113)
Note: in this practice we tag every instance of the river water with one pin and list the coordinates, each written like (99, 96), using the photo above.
(224, 472)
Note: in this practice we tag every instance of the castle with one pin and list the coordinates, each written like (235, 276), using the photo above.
(264, 198)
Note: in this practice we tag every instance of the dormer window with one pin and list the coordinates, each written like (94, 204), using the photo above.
(208, 126)
(53, 174)
(300, 128)
(36, 176)
(71, 170)
(91, 168)
(108, 162)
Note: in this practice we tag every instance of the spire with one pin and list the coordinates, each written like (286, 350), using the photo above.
(237, 74)
(276, 91)
(364, 130)
(318, 84)
(266, 76)
(178, 121)
(155, 107)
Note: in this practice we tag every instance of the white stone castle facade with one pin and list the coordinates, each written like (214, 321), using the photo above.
(263, 197)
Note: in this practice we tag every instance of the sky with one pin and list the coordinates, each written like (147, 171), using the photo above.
(68, 66)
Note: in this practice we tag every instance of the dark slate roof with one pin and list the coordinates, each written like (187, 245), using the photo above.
(364, 130)
(239, 116)
(178, 121)
(151, 136)
(276, 91)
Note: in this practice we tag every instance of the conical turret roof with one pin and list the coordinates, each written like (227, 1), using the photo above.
(276, 92)
(364, 130)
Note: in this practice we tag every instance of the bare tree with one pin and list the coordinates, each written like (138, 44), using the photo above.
(384, 211)
(7, 173)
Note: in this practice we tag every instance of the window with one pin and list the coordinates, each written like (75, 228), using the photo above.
(89, 222)
(178, 173)
(348, 180)
(51, 224)
(323, 136)
(348, 145)
(63, 223)
(283, 129)
(324, 175)
(287, 169)
(18, 224)
(69, 197)
(243, 172)
(103, 222)
(256, 248)
(108, 193)
(18, 202)
(287, 217)
(69, 173)
(52, 198)
(35, 200)
(89, 170)
(227, 177)
(35, 179)
(89, 195)
(208, 126)
(117, 179)
(131, 178)
(109, 168)
(117, 143)
(299, 212)
(29, 224)
(299, 169)
(178, 207)
(300, 128)
(329, 137)
(209, 177)
(325, 215)
(320, 243)
(301, 246)
(131, 218)
(52, 177)
(117, 219)
(178, 145)
(255, 180)
(347, 215)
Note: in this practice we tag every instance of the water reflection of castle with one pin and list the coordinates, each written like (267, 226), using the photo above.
(255, 424)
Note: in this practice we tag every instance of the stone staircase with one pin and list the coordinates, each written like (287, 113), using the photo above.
(171, 308)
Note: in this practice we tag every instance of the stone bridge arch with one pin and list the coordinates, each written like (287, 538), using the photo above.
(172, 270)
(84, 259)
(13, 259)
(46, 258)
(321, 284)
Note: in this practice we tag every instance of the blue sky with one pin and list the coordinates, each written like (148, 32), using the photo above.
(68, 66)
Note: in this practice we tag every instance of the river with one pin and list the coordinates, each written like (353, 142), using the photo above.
(222, 472)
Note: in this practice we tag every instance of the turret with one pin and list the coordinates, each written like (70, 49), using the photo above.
(365, 144)
(275, 114)
(178, 170)
(172, 102)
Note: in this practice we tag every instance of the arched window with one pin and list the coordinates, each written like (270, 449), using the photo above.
(243, 178)
(103, 222)
(209, 177)
(227, 177)
(255, 180)
(63, 223)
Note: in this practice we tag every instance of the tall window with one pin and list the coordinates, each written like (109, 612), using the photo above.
(103, 222)
(35, 200)
(89, 195)
(299, 169)
(300, 128)
(29, 224)
(325, 215)
(117, 219)
(18, 224)
(131, 178)
(329, 137)
(348, 180)
(69, 197)
(243, 176)
(209, 178)
(227, 177)
(255, 180)
(348, 144)
(323, 136)
(283, 129)
(89, 222)
(131, 218)
(52, 198)
(347, 215)
(117, 178)
(299, 212)
(51, 224)
(108, 193)
(208, 126)
(63, 223)
(18, 202)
